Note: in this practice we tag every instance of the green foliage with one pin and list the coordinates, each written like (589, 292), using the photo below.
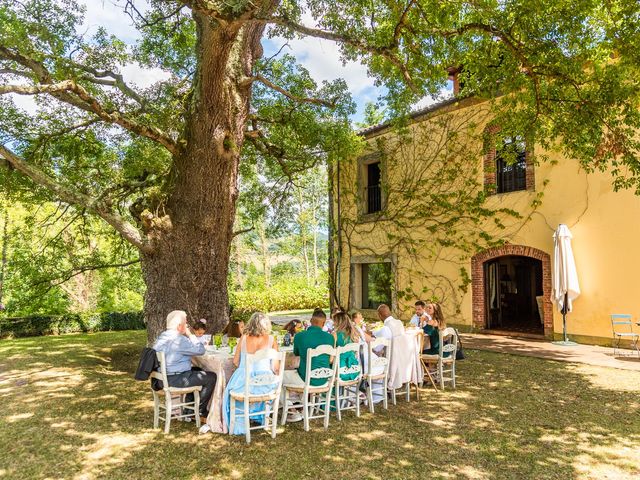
(12, 327)
(292, 295)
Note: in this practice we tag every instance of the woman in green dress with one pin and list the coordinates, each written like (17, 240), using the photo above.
(344, 332)
(433, 327)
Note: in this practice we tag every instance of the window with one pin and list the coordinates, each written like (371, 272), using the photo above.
(373, 190)
(511, 165)
(376, 284)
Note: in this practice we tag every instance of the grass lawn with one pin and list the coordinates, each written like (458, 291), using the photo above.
(71, 409)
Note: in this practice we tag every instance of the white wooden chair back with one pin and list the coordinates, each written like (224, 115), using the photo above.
(162, 373)
(357, 368)
(268, 378)
(449, 336)
(379, 360)
(326, 373)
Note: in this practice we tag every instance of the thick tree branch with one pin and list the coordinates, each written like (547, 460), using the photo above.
(70, 92)
(83, 100)
(67, 195)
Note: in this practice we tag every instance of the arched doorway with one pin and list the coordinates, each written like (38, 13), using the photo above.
(511, 290)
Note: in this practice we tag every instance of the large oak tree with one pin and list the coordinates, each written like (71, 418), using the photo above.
(161, 165)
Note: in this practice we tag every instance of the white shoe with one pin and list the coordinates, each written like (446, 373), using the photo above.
(294, 417)
(204, 429)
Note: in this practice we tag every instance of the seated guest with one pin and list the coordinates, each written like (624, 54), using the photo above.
(199, 329)
(432, 329)
(311, 338)
(328, 325)
(293, 327)
(345, 333)
(257, 336)
(416, 320)
(179, 344)
(392, 327)
(233, 329)
(358, 323)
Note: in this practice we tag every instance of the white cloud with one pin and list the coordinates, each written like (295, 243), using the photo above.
(110, 15)
(143, 77)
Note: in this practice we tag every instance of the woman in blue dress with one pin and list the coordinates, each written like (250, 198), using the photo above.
(256, 336)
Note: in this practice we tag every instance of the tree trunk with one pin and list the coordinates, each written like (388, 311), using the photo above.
(5, 243)
(264, 253)
(315, 246)
(192, 233)
(303, 235)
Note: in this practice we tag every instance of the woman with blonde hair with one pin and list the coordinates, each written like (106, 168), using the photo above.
(345, 332)
(256, 336)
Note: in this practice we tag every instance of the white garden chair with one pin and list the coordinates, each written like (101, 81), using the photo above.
(378, 370)
(271, 399)
(168, 392)
(347, 391)
(315, 399)
(445, 365)
(623, 330)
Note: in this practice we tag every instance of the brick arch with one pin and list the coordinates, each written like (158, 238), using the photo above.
(478, 287)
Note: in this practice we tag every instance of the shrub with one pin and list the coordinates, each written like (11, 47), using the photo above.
(284, 296)
(70, 323)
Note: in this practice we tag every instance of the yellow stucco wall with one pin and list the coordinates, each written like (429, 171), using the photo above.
(605, 225)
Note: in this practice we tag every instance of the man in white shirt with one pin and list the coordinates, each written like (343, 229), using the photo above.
(392, 327)
(415, 320)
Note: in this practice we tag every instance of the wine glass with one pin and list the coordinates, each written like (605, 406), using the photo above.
(218, 341)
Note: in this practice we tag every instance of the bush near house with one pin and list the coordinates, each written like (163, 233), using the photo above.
(70, 323)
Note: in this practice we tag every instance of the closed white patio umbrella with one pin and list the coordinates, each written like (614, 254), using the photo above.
(565, 277)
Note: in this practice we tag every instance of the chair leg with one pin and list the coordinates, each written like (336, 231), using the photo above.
(393, 396)
(408, 391)
(156, 409)
(247, 425)
(285, 407)
(356, 392)
(305, 409)
(196, 407)
(385, 397)
(338, 404)
(441, 374)
(327, 410)
(274, 420)
(370, 395)
(168, 412)
(453, 376)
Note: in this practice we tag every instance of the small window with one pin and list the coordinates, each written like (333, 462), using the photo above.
(376, 284)
(373, 190)
(511, 165)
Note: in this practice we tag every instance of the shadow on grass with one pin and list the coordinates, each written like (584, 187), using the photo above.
(73, 410)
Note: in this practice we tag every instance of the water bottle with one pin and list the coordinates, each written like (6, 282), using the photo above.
(287, 339)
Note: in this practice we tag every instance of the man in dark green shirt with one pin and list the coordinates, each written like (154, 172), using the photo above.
(311, 338)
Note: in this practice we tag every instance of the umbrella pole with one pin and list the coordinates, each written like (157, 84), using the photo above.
(565, 342)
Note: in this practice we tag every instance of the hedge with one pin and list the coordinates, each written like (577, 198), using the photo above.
(70, 323)
(277, 298)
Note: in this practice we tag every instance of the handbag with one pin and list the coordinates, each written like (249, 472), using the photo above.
(459, 351)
